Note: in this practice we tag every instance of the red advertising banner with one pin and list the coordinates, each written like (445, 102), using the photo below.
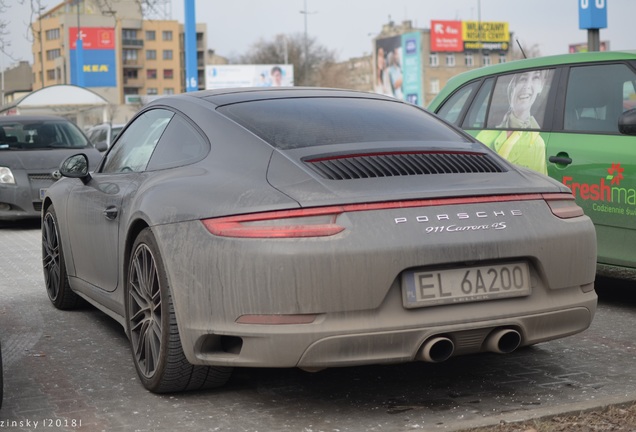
(93, 38)
(446, 36)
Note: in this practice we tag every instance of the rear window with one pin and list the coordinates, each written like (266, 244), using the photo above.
(305, 122)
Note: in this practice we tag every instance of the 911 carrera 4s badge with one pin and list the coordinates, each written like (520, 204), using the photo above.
(461, 222)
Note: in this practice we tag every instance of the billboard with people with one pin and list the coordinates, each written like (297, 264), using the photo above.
(398, 67)
(261, 75)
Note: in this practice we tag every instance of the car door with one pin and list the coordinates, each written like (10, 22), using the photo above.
(587, 153)
(98, 209)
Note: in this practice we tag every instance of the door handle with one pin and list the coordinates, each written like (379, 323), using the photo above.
(111, 213)
(561, 160)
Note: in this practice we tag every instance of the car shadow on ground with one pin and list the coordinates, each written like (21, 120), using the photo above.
(616, 291)
(26, 224)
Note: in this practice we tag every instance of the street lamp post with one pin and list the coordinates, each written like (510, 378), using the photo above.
(306, 43)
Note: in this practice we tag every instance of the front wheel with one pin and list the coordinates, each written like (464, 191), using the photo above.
(152, 326)
(55, 277)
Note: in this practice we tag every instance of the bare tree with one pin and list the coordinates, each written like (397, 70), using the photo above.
(4, 31)
(290, 49)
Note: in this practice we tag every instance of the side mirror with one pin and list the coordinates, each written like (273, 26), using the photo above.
(627, 122)
(76, 166)
(101, 146)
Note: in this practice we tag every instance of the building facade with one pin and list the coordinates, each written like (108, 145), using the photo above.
(415, 64)
(114, 52)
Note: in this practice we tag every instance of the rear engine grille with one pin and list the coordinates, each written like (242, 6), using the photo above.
(402, 164)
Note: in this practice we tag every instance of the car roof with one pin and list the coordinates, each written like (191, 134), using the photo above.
(538, 62)
(30, 118)
(245, 94)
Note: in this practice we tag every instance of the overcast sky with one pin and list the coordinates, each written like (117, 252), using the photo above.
(349, 26)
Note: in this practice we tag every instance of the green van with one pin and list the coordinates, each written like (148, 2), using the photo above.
(572, 117)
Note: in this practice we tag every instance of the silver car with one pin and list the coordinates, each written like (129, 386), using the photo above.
(312, 228)
(31, 151)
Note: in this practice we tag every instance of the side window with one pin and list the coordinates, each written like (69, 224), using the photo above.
(452, 108)
(476, 116)
(519, 100)
(596, 96)
(134, 148)
(180, 144)
(629, 95)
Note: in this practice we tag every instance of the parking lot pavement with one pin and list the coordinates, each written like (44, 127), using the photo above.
(72, 371)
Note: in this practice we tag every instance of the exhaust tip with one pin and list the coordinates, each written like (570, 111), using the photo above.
(436, 349)
(503, 341)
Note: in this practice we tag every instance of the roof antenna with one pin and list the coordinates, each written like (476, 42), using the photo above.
(521, 48)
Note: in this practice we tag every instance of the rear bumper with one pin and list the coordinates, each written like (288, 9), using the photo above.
(390, 335)
(351, 285)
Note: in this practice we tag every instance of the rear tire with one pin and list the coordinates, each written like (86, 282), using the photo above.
(152, 327)
(55, 277)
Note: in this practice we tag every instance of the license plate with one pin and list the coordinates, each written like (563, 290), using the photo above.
(42, 193)
(466, 284)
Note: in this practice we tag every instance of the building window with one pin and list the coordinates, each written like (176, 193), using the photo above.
(450, 60)
(151, 73)
(130, 73)
(129, 55)
(486, 60)
(470, 61)
(50, 74)
(168, 91)
(151, 54)
(166, 35)
(433, 59)
(53, 54)
(434, 84)
(152, 91)
(502, 58)
(129, 34)
(167, 54)
(151, 35)
(168, 74)
(53, 34)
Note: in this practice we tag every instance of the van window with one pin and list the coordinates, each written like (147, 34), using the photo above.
(476, 116)
(452, 108)
(519, 100)
(596, 96)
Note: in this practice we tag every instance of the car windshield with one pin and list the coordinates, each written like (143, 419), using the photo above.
(22, 134)
(304, 122)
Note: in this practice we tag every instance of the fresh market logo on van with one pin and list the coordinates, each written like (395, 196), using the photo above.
(608, 189)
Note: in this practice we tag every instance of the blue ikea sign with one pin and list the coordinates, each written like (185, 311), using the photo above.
(592, 14)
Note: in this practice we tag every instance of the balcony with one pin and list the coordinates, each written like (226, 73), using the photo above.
(132, 43)
(132, 63)
(133, 82)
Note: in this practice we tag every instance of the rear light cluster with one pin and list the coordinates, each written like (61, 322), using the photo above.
(322, 221)
(313, 222)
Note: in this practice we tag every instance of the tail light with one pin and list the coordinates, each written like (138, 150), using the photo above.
(563, 205)
(316, 222)
(322, 221)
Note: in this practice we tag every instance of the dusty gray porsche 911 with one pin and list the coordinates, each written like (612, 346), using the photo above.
(312, 228)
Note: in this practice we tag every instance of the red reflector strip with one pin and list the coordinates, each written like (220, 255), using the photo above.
(563, 205)
(276, 319)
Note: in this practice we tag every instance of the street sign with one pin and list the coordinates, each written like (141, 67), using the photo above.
(592, 14)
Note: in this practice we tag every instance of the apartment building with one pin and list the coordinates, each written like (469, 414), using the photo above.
(123, 56)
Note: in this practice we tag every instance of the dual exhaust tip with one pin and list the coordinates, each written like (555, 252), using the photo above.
(440, 348)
